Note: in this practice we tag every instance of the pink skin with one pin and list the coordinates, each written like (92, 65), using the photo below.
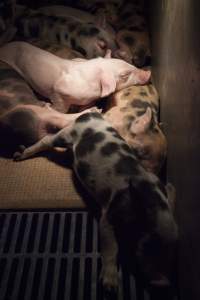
(43, 120)
(66, 82)
(50, 117)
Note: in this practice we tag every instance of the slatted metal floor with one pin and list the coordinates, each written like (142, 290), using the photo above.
(54, 256)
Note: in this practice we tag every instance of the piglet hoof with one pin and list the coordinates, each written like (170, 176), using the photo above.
(109, 278)
(18, 155)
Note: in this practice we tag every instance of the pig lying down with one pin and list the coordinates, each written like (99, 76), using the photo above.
(70, 82)
(24, 118)
(132, 200)
(133, 112)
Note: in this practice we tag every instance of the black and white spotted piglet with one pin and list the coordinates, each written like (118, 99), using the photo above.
(133, 201)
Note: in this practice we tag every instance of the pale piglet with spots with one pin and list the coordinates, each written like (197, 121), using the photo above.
(134, 203)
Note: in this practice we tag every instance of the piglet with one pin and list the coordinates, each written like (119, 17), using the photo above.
(134, 203)
(133, 112)
(70, 82)
(24, 118)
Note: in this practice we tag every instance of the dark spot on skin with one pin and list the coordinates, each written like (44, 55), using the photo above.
(126, 94)
(126, 165)
(154, 106)
(74, 133)
(151, 90)
(84, 118)
(83, 169)
(20, 126)
(128, 121)
(138, 103)
(155, 130)
(96, 115)
(88, 142)
(141, 112)
(104, 196)
(126, 148)
(83, 32)
(81, 50)
(143, 93)
(73, 43)
(89, 31)
(129, 40)
(71, 27)
(110, 129)
(109, 148)
(115, 133)
(93, 31)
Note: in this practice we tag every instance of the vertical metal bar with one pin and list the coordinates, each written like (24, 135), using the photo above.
(4, 231)
(94, 259)
(146, 295)
(18, 279)
(6, 279)
(61, 233)
(49, 232)
(56, 277)
(72, 233)
(14, 234)
(26, 233)
(120, 289)
(132, 288)
(42, 283)
(70, 259)
(27, 295)
(38, 233)
(82, 259)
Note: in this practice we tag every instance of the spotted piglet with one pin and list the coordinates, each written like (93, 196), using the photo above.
(133, 112)
(132, 36)
(85, 37)
(133, 202)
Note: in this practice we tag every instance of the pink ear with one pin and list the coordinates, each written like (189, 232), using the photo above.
(108, 83)
(142, 123)
(108, 53)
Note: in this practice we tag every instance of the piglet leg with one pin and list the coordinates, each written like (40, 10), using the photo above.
(60, 139)
(109, 250)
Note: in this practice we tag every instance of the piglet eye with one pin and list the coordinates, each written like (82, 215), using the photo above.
(124, 76)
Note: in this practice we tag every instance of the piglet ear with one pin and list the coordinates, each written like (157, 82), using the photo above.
(108, 53)
(142, 123)
(108, 83)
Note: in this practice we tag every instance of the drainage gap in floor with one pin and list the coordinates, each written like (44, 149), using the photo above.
(54, 256)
